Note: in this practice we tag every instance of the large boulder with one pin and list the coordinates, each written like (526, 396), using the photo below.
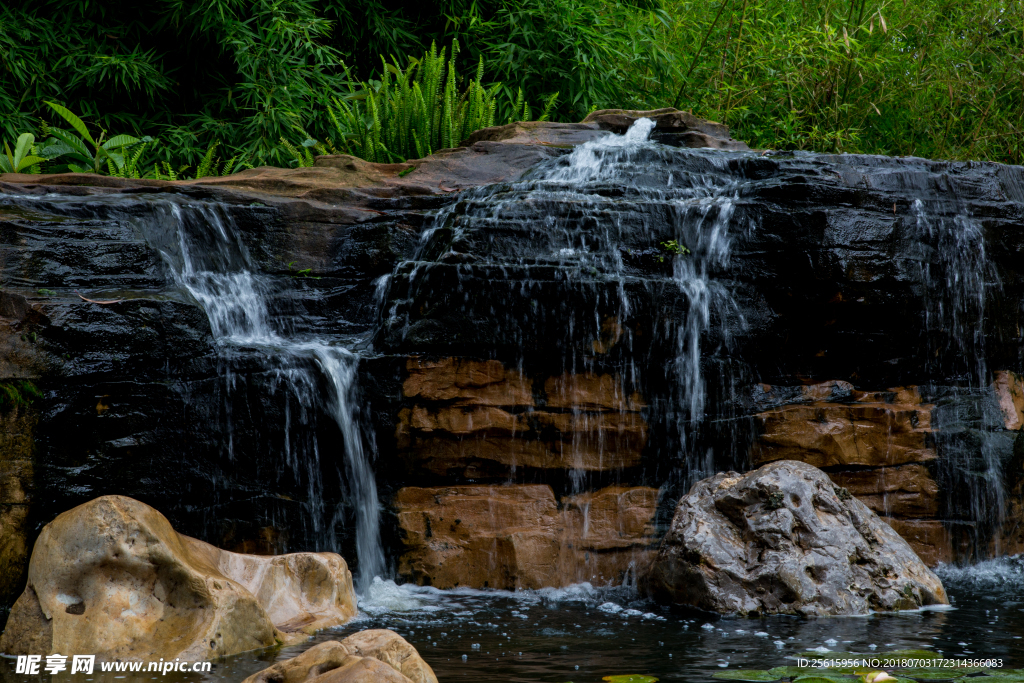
(364, 657)
(113, 578)
(784, 539)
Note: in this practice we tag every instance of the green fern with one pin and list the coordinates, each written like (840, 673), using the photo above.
(208, 165)
(412, 112)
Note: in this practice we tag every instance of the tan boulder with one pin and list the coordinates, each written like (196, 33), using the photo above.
(364, 657)
(517, 536)
(113, 578)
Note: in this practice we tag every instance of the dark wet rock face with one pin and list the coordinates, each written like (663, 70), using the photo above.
(550, 305)
(784, 539)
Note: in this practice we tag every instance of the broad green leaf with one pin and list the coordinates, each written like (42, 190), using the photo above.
(120, 141)
(630, 678)
(22, 148)
(754, 675)
(54, 149)
(118, 159)
(5, 164)
(75, 122)
(29, 161)
(79, 169)
(828, 674)
(74, 143)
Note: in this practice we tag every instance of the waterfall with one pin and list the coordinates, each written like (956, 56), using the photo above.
(588, 228)
(212, 263)
(958, 278)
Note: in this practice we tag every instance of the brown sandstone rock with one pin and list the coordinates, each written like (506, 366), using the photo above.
(1009, 388)
(364, 657)
(111, 577)
(906, 491)
(516, 536)
(829, 434)
(929, 538)
(17, 447)
(469, 382)
(478, 418)
(784, 539)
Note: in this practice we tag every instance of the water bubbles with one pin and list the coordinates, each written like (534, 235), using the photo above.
(831, 642)
(872, 646)
(761, 634)
(610, 608)
(464, 657)
(475, 646)
(821, 649)
(780, 644)
(708, 627)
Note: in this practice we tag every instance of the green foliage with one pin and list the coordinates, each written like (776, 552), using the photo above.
(630, 678)
(412, 112)
(596, 53)
(929, 78)
(110, 153)
(673, 247)
(17, 394)
(22, 157)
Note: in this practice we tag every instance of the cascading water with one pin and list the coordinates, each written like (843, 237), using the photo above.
(213, 265)
(314, 375)
(585, 227)
(959, 279)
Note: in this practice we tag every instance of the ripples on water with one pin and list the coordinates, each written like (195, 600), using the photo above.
(543, 635)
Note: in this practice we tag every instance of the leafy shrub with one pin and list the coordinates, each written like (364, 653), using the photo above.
(413, 112)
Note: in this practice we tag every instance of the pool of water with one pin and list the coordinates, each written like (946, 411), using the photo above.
(582, 633)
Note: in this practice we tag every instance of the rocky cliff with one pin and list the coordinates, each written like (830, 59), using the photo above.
(553, 322)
